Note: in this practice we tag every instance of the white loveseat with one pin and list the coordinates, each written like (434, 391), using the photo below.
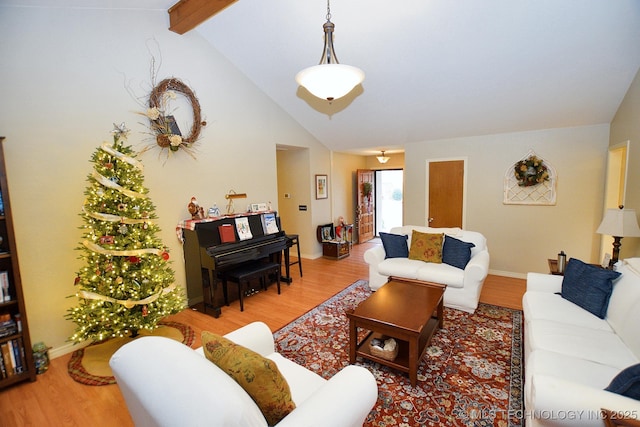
(166, 383)
(571, 355)
(463, 285)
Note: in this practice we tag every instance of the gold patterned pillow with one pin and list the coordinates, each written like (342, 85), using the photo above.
(257, 375)
(426, 247)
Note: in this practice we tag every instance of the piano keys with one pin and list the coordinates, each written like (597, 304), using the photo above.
(206, 257)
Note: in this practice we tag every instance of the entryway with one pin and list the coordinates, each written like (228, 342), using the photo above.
(389, 199)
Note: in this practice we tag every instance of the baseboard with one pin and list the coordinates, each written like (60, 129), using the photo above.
(65, 349)
(508, 274)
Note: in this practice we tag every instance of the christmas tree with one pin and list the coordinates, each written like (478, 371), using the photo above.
(127, 283)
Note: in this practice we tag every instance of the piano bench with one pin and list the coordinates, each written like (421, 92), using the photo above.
(245, 274)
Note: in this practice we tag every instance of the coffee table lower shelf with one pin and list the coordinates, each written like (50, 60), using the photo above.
(401, 362)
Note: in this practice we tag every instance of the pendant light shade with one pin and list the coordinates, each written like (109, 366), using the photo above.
(329, 80)
(382, 158)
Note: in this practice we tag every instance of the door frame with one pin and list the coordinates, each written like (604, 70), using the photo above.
(465, 162)
(616, 179)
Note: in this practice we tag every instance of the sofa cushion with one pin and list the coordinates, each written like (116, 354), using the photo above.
(395, 245)
(400, 267)
(441, 273)
(456, 252)
(596, 345)
(569, 368)
(588, 286)
(426, 247)
(258, 375)
(627, 382)
(550, 306)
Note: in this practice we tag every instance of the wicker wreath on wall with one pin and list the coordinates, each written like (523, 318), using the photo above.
(163, 125)
(531, 171)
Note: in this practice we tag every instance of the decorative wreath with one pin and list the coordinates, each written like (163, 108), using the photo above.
(168, 134)
(531, 171)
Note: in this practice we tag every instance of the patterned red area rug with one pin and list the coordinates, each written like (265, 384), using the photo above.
(90, 365)
(470, 375)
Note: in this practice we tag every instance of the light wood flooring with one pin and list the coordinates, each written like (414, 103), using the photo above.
(55, 399)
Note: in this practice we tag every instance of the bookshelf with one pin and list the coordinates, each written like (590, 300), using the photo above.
(16, 355)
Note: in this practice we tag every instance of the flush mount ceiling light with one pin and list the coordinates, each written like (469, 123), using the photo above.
(329, 80)
(382, 158)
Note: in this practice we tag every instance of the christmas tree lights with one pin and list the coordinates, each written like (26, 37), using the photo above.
(127, 283)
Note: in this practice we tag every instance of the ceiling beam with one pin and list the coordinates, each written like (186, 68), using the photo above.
(188, 14)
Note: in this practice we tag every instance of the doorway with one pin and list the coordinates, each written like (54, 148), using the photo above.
(389, 184)
(616, 185)
(446, 192)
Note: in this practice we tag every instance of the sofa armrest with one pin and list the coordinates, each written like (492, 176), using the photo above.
(562, 402)
(538, 282)
(255, 336)
(477, 268)
(375, 255)
(344, 400)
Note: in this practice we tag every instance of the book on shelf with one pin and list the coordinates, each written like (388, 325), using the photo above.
(3, 370)
(269, 223)
(242, 226)
(1, 205)
(4, 285)
(8, 327)
(6, 355)
(19, 353)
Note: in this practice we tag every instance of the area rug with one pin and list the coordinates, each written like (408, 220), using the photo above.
(470, 375)
(90, 365)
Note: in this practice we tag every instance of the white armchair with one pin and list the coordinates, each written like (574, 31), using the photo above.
(166, 383)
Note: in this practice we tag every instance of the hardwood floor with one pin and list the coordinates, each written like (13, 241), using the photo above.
(55, 399)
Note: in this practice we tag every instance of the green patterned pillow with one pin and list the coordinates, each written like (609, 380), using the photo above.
(426, 247)
(258, 375)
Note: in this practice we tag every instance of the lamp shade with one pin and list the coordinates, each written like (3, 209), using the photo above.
(382, 158)
(330, 81)
(619, 223)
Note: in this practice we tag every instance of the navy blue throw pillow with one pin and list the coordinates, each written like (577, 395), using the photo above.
(456, 252)
(627, 382)
(588, 286)
(395, 245)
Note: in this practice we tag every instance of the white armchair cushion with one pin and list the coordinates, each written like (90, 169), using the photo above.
(302, 382)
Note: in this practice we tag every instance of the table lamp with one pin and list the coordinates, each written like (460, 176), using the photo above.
(619, 223)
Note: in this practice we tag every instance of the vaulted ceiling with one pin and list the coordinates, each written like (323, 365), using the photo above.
(438, 69)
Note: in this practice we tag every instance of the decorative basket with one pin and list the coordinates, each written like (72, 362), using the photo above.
(384, 354)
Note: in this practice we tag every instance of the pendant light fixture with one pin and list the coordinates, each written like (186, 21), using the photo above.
(382, 158)
(329, 80)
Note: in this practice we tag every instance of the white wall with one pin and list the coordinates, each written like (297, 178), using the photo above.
(521, 237)
(626, 127)
(62, 79)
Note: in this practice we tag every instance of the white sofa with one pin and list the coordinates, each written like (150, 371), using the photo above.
(166, 383)
(463, 286)
(571, 355)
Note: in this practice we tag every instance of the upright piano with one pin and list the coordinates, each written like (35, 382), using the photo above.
(206, 257)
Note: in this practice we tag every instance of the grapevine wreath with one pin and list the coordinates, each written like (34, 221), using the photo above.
(163, 125)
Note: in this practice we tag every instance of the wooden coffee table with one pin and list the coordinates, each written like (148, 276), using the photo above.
(409, 311)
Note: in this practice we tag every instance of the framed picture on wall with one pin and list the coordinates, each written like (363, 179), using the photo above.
(322, 190)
